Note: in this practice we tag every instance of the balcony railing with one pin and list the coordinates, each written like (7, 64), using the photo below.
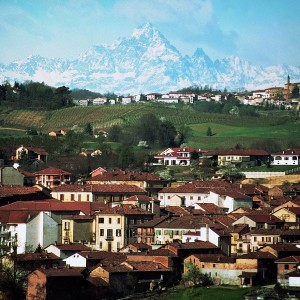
(109, 238)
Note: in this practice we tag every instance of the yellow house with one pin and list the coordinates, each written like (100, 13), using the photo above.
(288, 214)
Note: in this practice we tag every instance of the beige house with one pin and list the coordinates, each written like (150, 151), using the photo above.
(116, 227)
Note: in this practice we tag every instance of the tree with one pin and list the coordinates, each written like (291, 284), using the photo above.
(88, 129)
(126, 157)
(232, 175)
(209, 132)
(194, 276)
(13, 279)
(166, 134)
(115, 133)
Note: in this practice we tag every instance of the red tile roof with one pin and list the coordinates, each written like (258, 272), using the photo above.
(15, 191)
(52, 171)
(289, 259)
(63, 272)
(124, 176)
(240, 152)
(288, 152)
(17, 217)
(54, 205)
(100, 188)
(125, 209)
(37, 257)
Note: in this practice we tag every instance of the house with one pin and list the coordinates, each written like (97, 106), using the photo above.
(133, 275)
(222, 269)
(99, 101)
(90, 259)
(290, 157)
(117, 226)
(239, 157)
(221, 193)
(259, 268)
(55, 283)
(136, 248)
(285, 267)
(64, 214)
(288, 214)
(147, 181)
(51, 177)
(14, 176)
(176, 156)
(146, 231)
(57, 133)
(32, 153)
(145, 202)
(32, 261)
(10, 194)
(65, 250)
(260, 221)
(104, 193)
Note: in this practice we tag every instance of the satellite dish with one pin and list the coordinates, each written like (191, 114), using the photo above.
(16, 165)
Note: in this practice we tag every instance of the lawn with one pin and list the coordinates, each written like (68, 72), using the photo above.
(211, 293)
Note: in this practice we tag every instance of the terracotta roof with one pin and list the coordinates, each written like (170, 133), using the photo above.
(52, 171)
(71, 247)
(26, 173)
(17, 217)
(63, 272)
(152, 223)
(124, 176)
(102, 255)
(125, 209)
(175, 211)
(210, 209)
(22, 192)
(37, 150)
(162, 252)
(288, 152)
(269, 219)
(279, 247)
(193, 245)
(184, 222)
(100, 188)
(54, 205)
(215, 258)
(257, 255)
(289, 259)
(240, 152)
(37, 256)
(141, 198)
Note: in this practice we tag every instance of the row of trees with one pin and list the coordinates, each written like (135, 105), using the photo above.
(34, 95)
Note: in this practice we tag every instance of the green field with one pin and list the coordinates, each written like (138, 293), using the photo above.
(228, 130)
(211, 293)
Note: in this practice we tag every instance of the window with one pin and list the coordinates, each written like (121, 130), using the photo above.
(109, 232)
(101, 232)
(109, 220)
(161, 197)
(191, 197)
(286, 267)
(214, 265)
(88, 198)
(101, 220)
(67, 226)
(118, 232)
(72, 197)
(255, 239)
(62, 197)
(79, 197)
(119, 220)
(100, 245)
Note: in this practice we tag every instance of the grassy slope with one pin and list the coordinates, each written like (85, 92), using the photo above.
(228, 130)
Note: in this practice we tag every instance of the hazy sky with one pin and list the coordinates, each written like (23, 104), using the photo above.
(264, 32)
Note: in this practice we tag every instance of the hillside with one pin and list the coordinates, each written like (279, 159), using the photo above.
(228, 130)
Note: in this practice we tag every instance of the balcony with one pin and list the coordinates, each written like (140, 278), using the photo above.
(109, 238)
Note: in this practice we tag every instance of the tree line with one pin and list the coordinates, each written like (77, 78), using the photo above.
(34, 95)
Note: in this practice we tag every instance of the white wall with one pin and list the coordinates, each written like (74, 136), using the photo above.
(76, 260)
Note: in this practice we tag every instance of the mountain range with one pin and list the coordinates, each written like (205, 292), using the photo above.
(146, 62)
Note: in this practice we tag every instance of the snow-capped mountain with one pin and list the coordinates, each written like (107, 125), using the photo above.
(146, 62)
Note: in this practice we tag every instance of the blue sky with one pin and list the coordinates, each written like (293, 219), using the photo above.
(264, 32)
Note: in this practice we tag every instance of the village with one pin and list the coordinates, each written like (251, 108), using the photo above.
(122, 232)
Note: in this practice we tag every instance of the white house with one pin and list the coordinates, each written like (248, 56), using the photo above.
(176, 156)
(99, 101)
(41, 230)
(289, 157)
